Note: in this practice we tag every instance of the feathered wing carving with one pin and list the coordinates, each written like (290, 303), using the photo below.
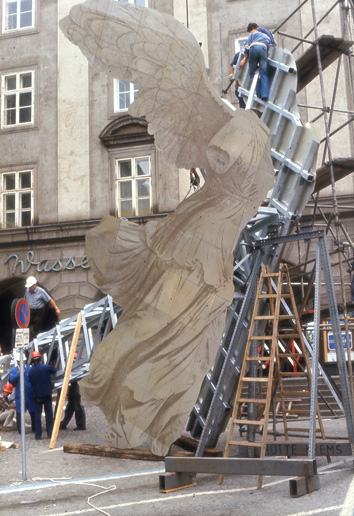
(174, 276)
(161, 55)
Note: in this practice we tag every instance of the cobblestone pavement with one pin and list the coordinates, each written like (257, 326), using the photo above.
(60, 483)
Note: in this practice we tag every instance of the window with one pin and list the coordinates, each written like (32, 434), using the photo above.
(17, 99)
(133, 186)
(17, 199)
(144, 3)
(124, 94)
(18, 14)
(240, 44)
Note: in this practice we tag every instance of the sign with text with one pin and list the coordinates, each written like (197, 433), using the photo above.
(329, 346)
(22, 338)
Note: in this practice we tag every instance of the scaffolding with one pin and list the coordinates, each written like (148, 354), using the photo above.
(320, 53)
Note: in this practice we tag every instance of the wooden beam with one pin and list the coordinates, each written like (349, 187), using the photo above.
(66, 380)
(112, 451)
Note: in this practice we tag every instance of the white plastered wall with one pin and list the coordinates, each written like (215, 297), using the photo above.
(73, 127)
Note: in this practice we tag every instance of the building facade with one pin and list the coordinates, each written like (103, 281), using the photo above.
(71, 154)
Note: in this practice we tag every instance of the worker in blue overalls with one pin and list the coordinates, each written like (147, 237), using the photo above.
(40, 379)
(14, 379)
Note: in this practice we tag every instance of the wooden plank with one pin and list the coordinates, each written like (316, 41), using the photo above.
(118, 453)
(330, 49)
(342, 167)
(64, 388)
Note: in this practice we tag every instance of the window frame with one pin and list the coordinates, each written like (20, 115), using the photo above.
(133, 90)
(134, 179)
(17, 191)
(17, 91)
(18, 29)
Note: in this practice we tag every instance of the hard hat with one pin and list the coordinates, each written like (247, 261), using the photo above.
(30, 281)
(35, 355)
(8, 388)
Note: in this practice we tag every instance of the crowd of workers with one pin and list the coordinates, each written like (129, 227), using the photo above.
(38, 396)
(37, 378)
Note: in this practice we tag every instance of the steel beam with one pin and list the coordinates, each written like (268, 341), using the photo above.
(237, 466)
(173, 481)
(300, 449)
(303, 485)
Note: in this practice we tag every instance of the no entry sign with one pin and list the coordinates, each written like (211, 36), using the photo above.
(22, 313)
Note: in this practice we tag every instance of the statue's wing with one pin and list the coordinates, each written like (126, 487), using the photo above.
(162, 56)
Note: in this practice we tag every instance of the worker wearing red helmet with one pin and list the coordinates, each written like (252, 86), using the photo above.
(7, 409)
(40, 379)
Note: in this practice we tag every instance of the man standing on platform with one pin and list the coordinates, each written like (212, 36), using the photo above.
(38, 300)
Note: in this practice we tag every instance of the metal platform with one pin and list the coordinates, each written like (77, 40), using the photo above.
(98, 319)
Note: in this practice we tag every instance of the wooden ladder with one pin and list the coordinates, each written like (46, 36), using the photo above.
(268, 348)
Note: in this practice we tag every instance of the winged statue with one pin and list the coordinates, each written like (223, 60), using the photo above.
(172, 276)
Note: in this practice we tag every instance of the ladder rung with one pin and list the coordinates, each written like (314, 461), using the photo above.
(273, 296)
(297, 393)
(252, 400)
(246, 443)
(294, 428)
(292, 374)
(257, 379)
(263, 317)
(264, 359)
(287, 316)
(291, 355)
(248, 422)
(261, 337)
(288, 336)
(271, 275)
(297, 411)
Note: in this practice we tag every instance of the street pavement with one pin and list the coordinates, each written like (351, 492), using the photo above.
(59, 483)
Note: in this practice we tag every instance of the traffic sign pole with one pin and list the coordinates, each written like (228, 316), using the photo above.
(22, 318)
(23, 411)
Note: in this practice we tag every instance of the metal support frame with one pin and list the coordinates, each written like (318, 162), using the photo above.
(98, 319)
(224, 376)
(229, 373)
(294, 182)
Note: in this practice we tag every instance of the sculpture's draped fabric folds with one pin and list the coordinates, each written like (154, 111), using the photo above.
(173, 277)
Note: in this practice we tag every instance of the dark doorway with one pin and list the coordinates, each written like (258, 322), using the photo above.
(10, 289)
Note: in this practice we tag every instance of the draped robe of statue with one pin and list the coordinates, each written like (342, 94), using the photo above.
(172, 276)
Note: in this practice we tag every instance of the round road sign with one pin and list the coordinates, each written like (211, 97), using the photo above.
(22, 313)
